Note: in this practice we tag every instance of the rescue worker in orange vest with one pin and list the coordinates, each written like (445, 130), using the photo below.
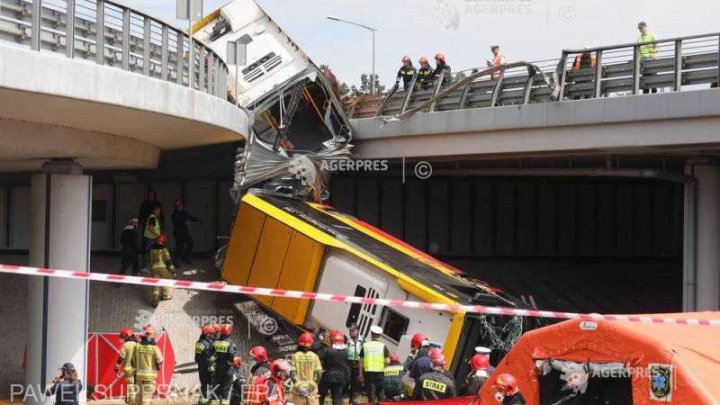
(306, 372)
(237, 384)
(437, 384)
(262, 361)
(425, 74)
(279, 372)
(225, 350)
(507, 390)
(161, 267)
(584, 60)
(124, 362)
(497, 60)
(205, 359)
(147, 360)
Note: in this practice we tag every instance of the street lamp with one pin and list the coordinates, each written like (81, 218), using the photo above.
(371, 29)
(191, 11)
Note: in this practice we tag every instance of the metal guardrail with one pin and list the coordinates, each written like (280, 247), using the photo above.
(112, 34)
(618, 70)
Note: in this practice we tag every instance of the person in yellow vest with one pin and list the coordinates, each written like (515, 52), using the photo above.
(374, 356)
(648, 50)
(392, 384)
(306, 372)
(147, 360)
(225, 350)
(161, 266)
(125, 362)
(152, 229)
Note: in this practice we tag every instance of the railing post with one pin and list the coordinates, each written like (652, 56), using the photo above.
(496, 91)
(70, 28)
(202, 66)
(436, 90)
(717, 83)
(210, 73)
(408, 94)
(180, 64)
(598, 73)
(126, 39)
(636, 70)
(464, 96)
(527, 90)
(165, 53)
(36, 25)
(100, 32)
(147, 33)
(562, 74)
(678, 65)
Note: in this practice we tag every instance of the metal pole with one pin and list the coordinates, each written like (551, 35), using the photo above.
(191, 51)
(372, 91)
(126, 39)
(678, 65)
(637, 66)
(598, 73)
(36, 24)
(70, 28)
(100, 32)
(237, 82)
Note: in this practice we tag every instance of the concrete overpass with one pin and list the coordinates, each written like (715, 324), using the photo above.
(87, 86)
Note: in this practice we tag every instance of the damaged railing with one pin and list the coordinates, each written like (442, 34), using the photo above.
(112, 34)
(679, 63)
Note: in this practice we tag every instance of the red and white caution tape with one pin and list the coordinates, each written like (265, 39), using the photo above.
(270, 292)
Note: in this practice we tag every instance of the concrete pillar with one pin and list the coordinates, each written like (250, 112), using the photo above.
(57, 308)
(702, 237)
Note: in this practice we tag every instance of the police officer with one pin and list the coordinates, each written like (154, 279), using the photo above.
(406, 74)
(124, 362)
(374, 356)
(437, 384)
(425, 74)
(147, 360)
(262, 361)
(205, 359)
(508, 391)
(392, 382)
(225, 350)
(161, 267)
(306, 372)
(354, 343)
(65, 386)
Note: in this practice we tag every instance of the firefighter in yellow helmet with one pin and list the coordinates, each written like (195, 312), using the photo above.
(147, 360)
(161, 267)
(125, 362)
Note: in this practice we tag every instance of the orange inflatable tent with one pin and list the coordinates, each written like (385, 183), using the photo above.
(621, 363)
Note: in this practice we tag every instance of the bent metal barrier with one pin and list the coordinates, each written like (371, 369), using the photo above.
(109, 33)
(678, 64)
(309, 295)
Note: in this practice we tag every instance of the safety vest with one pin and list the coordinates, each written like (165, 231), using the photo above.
(147, 360)
(648, 51)
(578, 61)
(257, 393)
(374, 357)
(126, 354)
(224, 353)
(158, 258)
(152, 231)
(353, 350)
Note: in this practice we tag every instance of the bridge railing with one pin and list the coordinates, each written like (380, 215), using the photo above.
(110, 33)
(618, 70)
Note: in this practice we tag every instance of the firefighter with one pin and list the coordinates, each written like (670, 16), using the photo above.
(374, 357)
(279, 372)
(392, 382)
(183, 240)
(306, 372)
(235, 396)
(125, 362)
(406, 73)
(161, 267)
(416, 349)
(442, 68)
(422, 363)
(336, 372)
(354, 343)
(205, 359)
(225, 350)
(479, 367)
(262, 361)
(437, 384)
(216, 326)
(147, 360)
(507, 390)
(425, 74)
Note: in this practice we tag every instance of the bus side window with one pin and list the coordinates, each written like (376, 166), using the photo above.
(354, 313)
(394, 324)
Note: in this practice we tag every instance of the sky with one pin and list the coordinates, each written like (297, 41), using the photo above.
(527, 30)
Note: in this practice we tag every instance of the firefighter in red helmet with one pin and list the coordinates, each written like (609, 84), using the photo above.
(161, 267)
(205, 359)
(306, 372)
(406, 73)
(436, 384)
(507, 390)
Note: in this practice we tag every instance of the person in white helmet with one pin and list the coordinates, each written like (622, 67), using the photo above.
(374, 356)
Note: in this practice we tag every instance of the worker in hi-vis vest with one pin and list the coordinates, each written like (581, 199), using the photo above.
(373, 358)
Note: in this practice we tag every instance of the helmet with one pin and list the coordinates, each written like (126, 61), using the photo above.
(278, 366)
(406, 59)
(216, 326)
(437, 357)
(179, 203)
(423, 60)
(507, 384)
(226, 330)
(394, 357)
(337, 337)
(126, 333)
(162, 240)
(237, 361)
(259, 353)
(439, 56)
(305, 339)
(416, 341)
(479, 362)
(208, 330)
(149, 331)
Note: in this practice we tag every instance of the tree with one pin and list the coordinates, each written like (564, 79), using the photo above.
(366, 84)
